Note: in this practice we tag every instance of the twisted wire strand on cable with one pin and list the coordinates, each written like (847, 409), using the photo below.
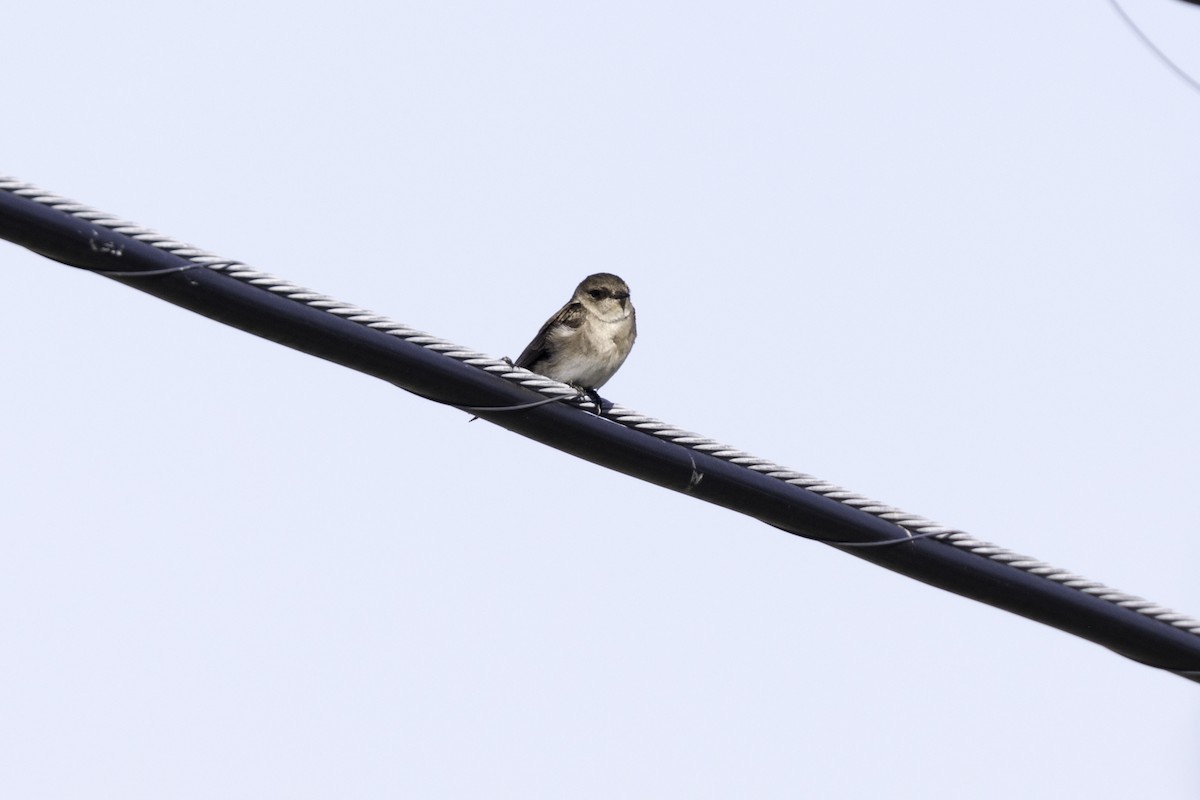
(913, 524)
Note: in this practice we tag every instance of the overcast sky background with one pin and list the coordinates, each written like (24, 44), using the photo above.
(943, 254)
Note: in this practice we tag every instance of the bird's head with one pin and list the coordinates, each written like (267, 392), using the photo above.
(606, 296)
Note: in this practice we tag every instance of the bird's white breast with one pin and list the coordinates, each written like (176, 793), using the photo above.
(592, 354)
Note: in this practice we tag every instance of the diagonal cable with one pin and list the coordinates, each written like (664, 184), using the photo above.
(639, 445)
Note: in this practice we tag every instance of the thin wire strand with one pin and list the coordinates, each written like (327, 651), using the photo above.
(518, 407)
(911, 537)
(1178, 70)
(143, 273)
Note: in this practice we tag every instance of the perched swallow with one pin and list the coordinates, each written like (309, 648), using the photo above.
(588, 339)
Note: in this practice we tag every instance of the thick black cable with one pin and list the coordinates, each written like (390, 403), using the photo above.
(220, 296)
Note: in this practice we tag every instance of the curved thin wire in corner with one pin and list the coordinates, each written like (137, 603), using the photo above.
(1178, 70)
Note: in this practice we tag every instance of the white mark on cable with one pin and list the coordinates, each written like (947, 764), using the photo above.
(107, 248)
(696, 476)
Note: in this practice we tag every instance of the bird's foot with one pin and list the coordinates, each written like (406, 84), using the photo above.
(593, 395)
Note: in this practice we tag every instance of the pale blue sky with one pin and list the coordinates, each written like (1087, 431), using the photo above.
(941, 254)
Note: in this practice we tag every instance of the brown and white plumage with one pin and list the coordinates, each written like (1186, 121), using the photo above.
(589, 338)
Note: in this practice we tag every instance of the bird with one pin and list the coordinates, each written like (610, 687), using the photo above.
(588, 339)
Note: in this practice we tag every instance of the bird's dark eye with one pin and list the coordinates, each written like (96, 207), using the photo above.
(596, 293)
